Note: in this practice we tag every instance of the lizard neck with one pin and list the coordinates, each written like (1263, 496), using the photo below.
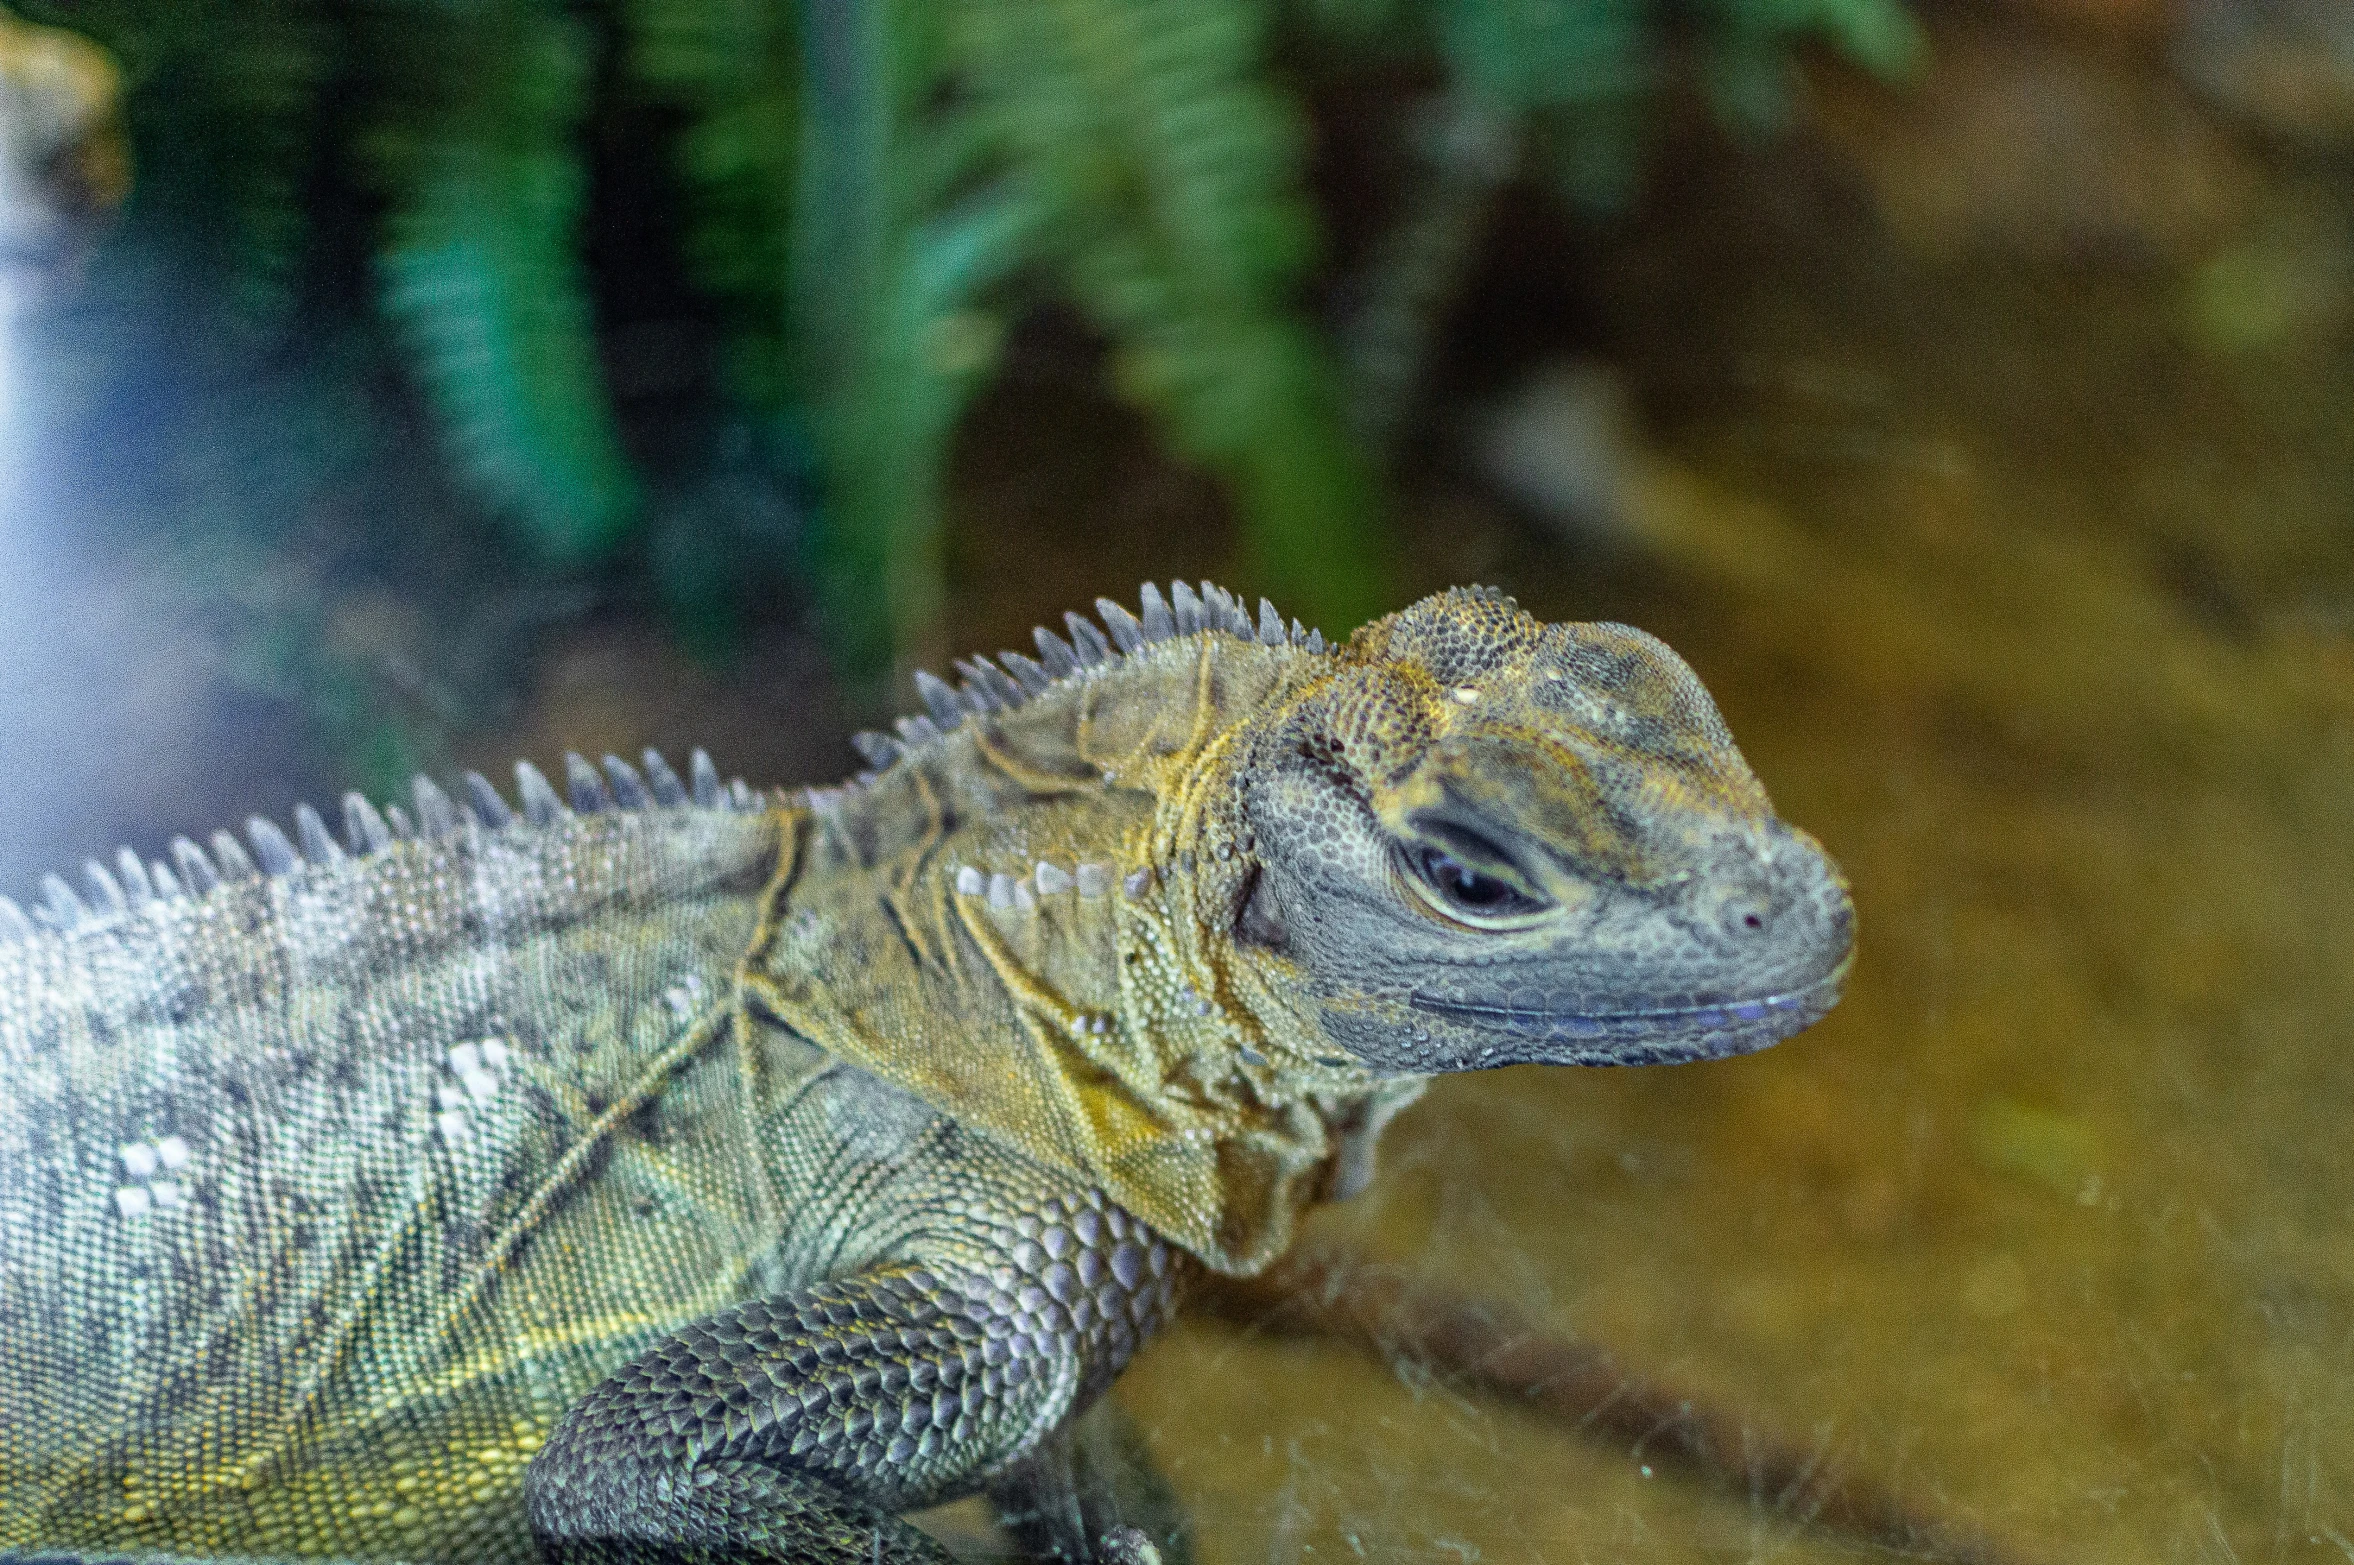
(1028, 925)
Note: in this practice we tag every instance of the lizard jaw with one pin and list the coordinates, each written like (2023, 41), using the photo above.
(1648, 1036)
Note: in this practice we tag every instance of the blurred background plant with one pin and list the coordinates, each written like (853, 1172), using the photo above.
(684, 300)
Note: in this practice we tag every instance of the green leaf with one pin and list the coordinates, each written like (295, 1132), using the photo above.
(1172, 166)
(481, 275)
(1526, 54)
(893, 266)
(731, 69)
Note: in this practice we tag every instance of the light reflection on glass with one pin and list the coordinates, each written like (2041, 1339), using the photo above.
(12, 433)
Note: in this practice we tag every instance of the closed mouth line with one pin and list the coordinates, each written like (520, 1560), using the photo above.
(1722, 1014)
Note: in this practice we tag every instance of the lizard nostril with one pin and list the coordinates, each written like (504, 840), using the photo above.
(1742, 914)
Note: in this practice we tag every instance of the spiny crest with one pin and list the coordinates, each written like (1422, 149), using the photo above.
(1012, 678)
(193, 872)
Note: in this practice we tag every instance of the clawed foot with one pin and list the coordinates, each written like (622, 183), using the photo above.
(1126, 1546)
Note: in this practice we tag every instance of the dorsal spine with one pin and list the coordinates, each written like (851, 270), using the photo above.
(267, 852)
(986, 685)
(1012, 679)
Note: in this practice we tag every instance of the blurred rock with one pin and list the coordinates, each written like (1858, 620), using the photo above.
(2014, 146)
(65, 163)
(2285, 67)
(2042, 1146)
(1561, 445)
(2285, 284)
(2130, 22)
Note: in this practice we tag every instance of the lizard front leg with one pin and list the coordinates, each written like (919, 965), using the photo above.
(1094, 1492)
(798, 1426)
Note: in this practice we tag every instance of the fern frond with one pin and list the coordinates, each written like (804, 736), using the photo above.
(899, 242)
(269, 62)
(1463, 151)
(1375, 23)
(731, 70)
(1747, 68)
(1881, 36)
(1172, 167)
(1512, 54)
(1560, 86)
(481, 275)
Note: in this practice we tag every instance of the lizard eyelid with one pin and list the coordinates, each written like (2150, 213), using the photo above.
(1468, 890)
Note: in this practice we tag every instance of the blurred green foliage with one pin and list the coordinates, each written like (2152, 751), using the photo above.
(866, 193)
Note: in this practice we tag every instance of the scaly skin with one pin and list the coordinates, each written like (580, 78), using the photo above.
(834, 1151)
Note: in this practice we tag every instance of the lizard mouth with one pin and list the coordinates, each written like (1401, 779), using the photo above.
(1656, 1034)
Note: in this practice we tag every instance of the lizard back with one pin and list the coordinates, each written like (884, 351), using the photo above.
(266, 1151)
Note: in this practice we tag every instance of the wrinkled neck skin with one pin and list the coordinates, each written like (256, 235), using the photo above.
(1028, 922)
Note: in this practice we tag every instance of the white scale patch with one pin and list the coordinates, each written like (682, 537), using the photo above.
(476, 1073)
(682, 997)
(1006, 892)
(152, 1179)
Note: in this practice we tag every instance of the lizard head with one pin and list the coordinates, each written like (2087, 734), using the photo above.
(1482, 840)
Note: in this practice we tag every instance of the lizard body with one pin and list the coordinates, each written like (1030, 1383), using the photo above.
(673, 1175)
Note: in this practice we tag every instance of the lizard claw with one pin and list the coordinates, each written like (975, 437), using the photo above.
(1127, 1546)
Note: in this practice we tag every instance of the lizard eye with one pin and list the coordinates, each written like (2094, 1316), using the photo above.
(1463, 890)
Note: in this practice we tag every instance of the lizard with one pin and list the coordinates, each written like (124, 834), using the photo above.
(666, 1170)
